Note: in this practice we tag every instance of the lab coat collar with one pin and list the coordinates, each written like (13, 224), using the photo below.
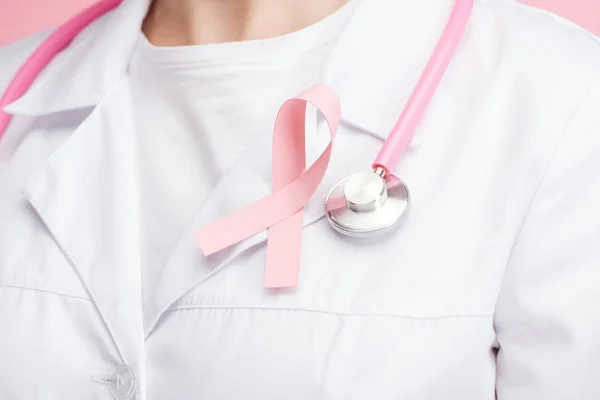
(373, 67)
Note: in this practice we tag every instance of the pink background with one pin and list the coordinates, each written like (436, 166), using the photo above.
(22, 17)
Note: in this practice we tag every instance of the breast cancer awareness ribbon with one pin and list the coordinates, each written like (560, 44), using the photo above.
(293, 186)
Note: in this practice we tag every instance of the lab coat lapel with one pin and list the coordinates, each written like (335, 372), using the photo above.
(85, 193)
(86, 196)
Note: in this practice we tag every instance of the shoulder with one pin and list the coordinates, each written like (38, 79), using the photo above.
(554, 66)
(547, 67)
(538, 44)
(14, 55)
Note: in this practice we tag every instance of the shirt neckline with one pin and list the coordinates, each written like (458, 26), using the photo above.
(293, 44)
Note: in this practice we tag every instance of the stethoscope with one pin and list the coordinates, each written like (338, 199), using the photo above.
(375, 201)
(362, 205)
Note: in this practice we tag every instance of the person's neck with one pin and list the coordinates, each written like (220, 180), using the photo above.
(190, 22)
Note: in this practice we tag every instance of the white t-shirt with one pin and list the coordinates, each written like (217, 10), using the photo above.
(197, 108)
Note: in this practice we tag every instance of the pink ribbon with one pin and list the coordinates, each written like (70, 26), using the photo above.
(281, 212)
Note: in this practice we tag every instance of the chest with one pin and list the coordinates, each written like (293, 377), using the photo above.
(367, 317)
(366, 320)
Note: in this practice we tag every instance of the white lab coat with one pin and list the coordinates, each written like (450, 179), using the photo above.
(492, 284)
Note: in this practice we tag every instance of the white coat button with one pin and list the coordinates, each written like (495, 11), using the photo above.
(122, 383)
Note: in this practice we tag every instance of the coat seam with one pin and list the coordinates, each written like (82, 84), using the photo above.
(45, 291)
(331, 312)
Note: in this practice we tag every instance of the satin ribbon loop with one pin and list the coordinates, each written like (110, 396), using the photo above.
(281, 212)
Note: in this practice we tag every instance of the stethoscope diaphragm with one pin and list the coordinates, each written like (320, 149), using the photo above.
(367, 203)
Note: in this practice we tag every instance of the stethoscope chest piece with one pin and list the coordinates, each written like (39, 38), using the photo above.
(367, 203)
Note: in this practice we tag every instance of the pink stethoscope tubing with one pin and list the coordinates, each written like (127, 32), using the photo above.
(403, 130)
(293, 185)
